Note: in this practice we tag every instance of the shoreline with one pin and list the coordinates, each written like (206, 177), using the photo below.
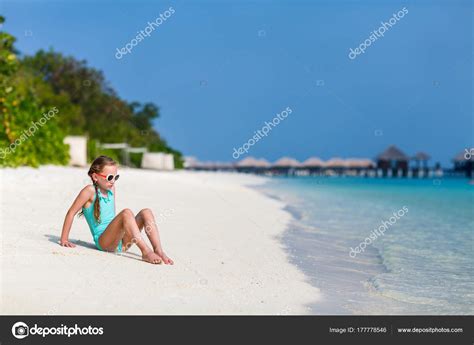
(223, 235)
(299, 242)
(331, 219)
(294, 232)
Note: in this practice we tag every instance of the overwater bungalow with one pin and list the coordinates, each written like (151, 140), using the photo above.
(421, 164)
(464, 164)
(313, 165)
(362, 163)
(390, 163)
(285, 166)
(252, 165)
(335, 166)
(262, 165)
(393, 162)
(359, 166)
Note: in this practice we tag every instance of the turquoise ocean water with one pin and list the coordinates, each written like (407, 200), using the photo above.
(422, 263)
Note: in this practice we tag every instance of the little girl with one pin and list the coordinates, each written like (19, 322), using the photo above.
(109, 231)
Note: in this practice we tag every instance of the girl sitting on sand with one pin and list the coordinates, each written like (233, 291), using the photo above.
(109, 231)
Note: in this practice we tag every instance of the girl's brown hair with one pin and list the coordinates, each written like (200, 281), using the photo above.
(96, 167)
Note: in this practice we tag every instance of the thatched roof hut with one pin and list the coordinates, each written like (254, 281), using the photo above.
(464, 162)
(463, 156)
(421, 159)
(248, 162)
(392, 153)
(335, 162)
(313, 162)
(359, 163)
(262, 163)
(393, 161)
(421, 156)
(251, 164)
(286, 162)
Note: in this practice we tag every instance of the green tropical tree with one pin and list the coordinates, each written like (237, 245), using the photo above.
(101, 113)
(29, 132)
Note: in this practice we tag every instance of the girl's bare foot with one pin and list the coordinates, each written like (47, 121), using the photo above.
(165, 258)
(151, 257)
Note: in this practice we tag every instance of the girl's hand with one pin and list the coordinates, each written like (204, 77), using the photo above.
(67, 244)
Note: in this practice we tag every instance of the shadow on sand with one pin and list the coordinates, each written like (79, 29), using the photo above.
(55, 239)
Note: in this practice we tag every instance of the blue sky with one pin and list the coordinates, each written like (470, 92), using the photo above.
(219, 69)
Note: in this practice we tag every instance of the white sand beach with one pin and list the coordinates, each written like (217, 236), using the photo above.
(222, 235)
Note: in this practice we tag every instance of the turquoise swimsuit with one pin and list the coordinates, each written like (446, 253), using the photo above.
(107, 214)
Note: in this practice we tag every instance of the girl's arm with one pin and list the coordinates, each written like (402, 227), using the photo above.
(85, 195)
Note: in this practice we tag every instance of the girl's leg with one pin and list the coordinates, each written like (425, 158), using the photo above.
(145, 219)
(122, 225)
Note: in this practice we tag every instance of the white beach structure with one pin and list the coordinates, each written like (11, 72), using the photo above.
(77, 150)
(158, 161)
